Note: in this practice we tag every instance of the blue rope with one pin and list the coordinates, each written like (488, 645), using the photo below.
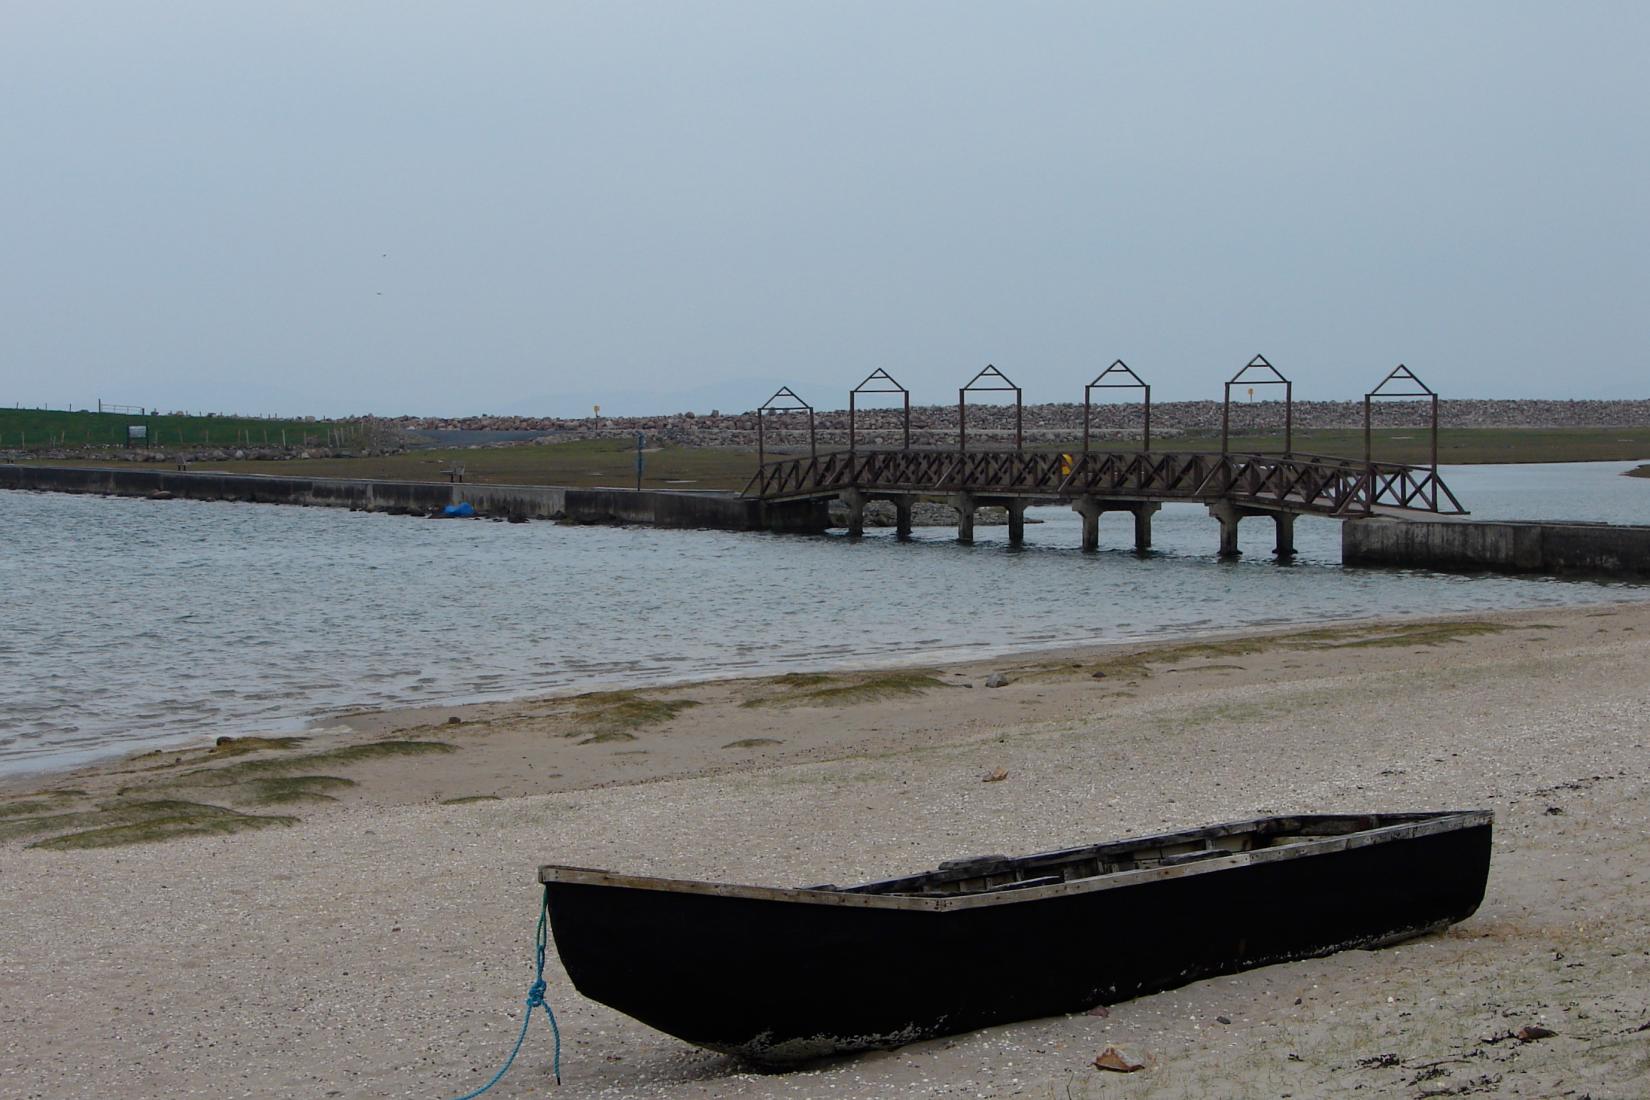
(535, 999)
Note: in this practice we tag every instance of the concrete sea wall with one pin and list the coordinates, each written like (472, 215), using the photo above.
(724, 511)
(1595, 549)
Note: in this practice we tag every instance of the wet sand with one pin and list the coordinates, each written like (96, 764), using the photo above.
(380, 945)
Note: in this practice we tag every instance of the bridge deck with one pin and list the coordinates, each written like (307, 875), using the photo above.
(1295, 483)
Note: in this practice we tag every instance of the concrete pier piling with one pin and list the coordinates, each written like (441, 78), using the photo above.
(1143, 513)
(1091, 509)
(965, 504)
(902, 517)
(1285, 547)
(1016, 521)
(854, 501)
(1229, 514)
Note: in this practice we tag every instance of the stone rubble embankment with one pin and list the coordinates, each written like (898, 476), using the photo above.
(936, 425)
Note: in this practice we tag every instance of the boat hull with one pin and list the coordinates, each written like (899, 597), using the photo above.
(780, 980)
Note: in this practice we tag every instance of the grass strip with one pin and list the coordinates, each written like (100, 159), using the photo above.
(342, 757)
(281, 790)
(809, 690)
(129, 822)
(38, 802)
(602, 716)
(202, 821)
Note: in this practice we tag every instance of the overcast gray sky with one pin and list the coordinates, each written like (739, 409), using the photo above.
(530, 207)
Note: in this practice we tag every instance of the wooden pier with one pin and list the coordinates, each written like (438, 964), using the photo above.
(1232, 486)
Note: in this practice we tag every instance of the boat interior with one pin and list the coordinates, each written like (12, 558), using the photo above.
(995, 874)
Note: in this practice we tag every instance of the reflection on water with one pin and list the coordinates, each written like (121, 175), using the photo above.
(134, 622)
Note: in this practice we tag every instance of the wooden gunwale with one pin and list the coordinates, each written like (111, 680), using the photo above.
(1418, 825)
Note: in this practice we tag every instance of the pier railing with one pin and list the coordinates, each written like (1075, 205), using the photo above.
(1315, 484)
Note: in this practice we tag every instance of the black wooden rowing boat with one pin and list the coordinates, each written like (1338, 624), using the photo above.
(779, 975)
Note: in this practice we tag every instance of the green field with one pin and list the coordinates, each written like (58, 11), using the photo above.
(1456, 446)
(582, 463)
(34, 429)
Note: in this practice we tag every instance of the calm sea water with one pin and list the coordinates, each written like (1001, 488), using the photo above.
(126, 624)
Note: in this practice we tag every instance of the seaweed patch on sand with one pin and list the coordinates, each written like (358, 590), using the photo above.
(847, 689)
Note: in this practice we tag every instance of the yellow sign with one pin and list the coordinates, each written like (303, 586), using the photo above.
(1066, 463)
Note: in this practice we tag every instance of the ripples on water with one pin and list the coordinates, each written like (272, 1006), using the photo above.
(129, 623)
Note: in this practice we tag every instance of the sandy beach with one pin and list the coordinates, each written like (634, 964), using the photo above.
(356, 918)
